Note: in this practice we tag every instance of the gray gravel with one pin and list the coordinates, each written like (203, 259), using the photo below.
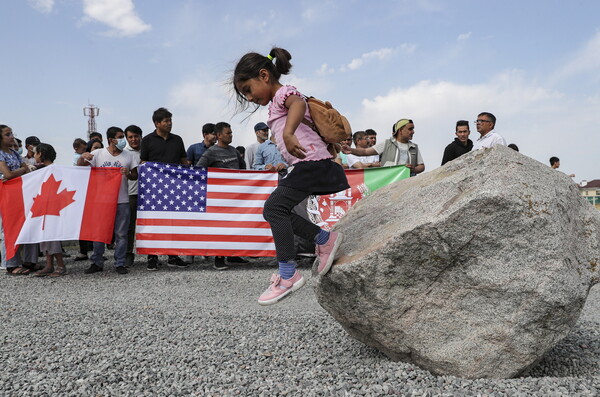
(198, 331)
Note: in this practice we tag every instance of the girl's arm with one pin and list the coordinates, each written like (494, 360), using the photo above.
(8, 174)
(296, 109)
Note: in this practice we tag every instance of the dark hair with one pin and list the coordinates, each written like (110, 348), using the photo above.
(489, 115)
(554, 160)
(88, 147)
(241, 150)
(2, 126)
(134, 129)
(208, 128)
(19, 142)
(461, 123)
(250, 65)
(513, 147)
(160, 114)
(370, 131)
(358, 135)
(111, 132)
(219, 127)
(78, 142)
(96, 134)
(46, 151)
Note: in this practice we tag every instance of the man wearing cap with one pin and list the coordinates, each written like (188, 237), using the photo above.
(195, 151)
(398, 150)
(30, 143)
(262, 134)
(485, 124)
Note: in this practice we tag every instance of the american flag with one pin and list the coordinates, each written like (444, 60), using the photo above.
(203, 211)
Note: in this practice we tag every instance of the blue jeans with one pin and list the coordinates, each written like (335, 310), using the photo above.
(121, 225)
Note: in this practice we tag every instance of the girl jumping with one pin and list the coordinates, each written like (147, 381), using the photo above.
(311, 170)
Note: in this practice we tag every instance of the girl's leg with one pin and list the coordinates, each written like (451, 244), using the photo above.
(284, 224)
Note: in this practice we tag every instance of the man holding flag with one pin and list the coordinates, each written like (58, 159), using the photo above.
(114, 156)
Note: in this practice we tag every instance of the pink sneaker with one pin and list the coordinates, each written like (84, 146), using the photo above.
(280, 288)
(326, 252)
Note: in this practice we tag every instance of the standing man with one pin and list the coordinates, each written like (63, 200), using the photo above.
(398, 150)
(555, 164)
(133, 134)
(30, 143)
(114, 156)
(262, 134)
(461, 145)
(268, 157)
(195, 151)
(485, 124)
(223, 155)
(164, 147)
(371, 137)
(362, 140)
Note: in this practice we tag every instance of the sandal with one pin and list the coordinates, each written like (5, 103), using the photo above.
(43, 272)
(17, 271)
(33, 267)
(60, 271)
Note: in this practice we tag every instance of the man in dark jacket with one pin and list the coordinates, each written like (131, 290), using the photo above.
(461, 145)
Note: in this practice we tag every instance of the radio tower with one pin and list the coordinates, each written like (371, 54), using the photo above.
(91, 112)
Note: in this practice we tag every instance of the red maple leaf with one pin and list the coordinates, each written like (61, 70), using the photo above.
(49, 201)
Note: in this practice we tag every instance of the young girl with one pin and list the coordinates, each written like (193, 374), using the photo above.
(44, 156)
(311, 171)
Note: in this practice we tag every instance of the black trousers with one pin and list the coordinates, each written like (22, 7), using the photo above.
(284, 223)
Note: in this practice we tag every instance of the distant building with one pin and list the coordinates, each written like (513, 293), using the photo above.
(591, 191)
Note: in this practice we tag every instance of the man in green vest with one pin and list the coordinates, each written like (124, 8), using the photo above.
(398, 150)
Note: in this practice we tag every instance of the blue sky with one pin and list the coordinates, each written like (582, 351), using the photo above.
(534, 64)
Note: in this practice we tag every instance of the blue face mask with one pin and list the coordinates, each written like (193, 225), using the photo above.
(20, 151)
(121, 143)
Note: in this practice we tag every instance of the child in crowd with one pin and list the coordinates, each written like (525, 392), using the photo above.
(79, 146)
(311, 171)
(45, 155)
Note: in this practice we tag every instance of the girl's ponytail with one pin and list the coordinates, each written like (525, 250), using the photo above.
(281, 59)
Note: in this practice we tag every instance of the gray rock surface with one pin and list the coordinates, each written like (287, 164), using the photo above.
(476, 269)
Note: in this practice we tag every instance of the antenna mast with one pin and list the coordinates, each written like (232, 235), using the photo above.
(91, 112)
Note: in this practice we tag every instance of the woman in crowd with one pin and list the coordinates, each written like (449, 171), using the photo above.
(12, 166)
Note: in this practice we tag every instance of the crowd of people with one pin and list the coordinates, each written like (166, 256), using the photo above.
(128, 148)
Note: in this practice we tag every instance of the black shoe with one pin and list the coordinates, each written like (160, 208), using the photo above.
(220, 263)
(236, 259)
(80, 257)
(93, 269)
(121, 270)
(176, 262)
(129, 260)
(152, 264)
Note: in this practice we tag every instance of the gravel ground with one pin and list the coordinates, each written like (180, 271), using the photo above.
(198, 331)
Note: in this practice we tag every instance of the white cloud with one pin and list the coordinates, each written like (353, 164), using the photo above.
(44, 6)
(325, 70)
(119, 15)
(379, 54)
(541, 121)
(585, 60)
(463, 36)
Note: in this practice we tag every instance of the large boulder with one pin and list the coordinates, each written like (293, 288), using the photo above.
(475, 269)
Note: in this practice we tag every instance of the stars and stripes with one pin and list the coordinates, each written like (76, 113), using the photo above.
(203, 211)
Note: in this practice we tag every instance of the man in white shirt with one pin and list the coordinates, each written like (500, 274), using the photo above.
(485, 124)
(114, 156)
(361, 140)
(133, 134)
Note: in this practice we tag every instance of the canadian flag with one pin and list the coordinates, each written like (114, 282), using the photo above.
(59, 203)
